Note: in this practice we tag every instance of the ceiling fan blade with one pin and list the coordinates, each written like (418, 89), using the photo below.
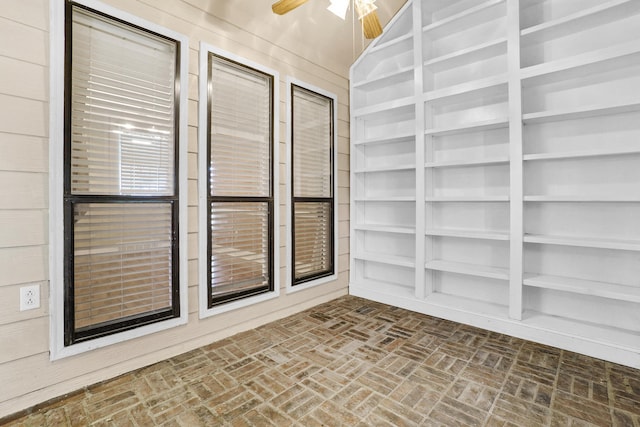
(371, 25)
(283, 6)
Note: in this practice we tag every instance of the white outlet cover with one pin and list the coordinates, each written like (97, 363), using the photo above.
(29, 297)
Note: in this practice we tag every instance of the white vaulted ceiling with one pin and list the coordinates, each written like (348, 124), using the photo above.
(310, 31)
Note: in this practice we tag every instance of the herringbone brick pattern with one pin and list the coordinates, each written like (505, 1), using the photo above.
(353, 362)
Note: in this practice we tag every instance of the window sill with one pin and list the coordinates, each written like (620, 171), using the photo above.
(60, 352)
(311, 284)
(233, 305)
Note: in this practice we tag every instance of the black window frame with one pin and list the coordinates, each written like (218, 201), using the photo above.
(71, 334)
(269, 287)
(328, 200)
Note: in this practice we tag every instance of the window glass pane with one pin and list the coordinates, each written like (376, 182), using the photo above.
(122, 260)
(239, 247)
(312, 236)
(240, 130)
(122, 109)
(312, 118)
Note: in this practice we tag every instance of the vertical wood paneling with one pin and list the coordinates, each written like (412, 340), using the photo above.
(23, 116)
(23, 264)
(193, 139)
(34, 13)
(193, 166)
(343, 263)
(23, 190)
(193, 219)
(193, 192)
(14, 37)
(13, 343)
(15, 72)
(193, 113)
(193, 272)
(22, 153)
(23, 228)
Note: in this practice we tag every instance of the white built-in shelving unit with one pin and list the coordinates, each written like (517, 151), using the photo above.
(495, 169)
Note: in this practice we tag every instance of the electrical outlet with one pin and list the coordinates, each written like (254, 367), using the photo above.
(29, 297)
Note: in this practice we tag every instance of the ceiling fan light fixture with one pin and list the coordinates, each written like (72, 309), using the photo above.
(366, 10)
(365, 7)
(371, 25)
(339, 8)
(283, 6)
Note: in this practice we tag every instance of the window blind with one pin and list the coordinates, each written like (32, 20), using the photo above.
(240, 131)
(313, 238)
(122, 108)
(239, 247)
(120, 186)
(312, 148)
(240, 180)
(312, 204)
(122, 262)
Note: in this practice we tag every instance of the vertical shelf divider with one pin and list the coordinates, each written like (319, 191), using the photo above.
(355, 129)
(516, 204)
(422, 288)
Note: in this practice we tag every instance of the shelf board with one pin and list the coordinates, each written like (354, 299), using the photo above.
(498, 83)
(579, 113)
(385, 228)
(467, 199)
(387, 139)
(470, 54)
(385, 78)
(577, 21)
(579, 62)
(585, 199)
(595, 333)
(385, 106)
(470, 162)
(468, 269)
(385, 259)
(499, 123)
(579, 154)
(468, 305)
(585, 242)
(384, 287)
(390, 168)
(583, 287)
(482, 13)
(468, 234)
(390, 43)
(386, 199)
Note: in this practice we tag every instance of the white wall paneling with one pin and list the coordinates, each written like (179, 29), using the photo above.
(26, 250)
(495, 179)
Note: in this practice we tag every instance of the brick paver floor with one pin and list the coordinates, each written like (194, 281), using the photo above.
(353, 362)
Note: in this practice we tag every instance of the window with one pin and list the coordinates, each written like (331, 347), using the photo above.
(240, 205)
(312, 205)
(121, 171)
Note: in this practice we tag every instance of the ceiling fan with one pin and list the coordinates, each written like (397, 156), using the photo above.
(366, 10)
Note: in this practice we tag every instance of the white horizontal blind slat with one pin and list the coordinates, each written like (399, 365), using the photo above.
(122, 108)
(240, 130)
(312, 238)
(239, 246)
(122, 260)
(312, 148)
